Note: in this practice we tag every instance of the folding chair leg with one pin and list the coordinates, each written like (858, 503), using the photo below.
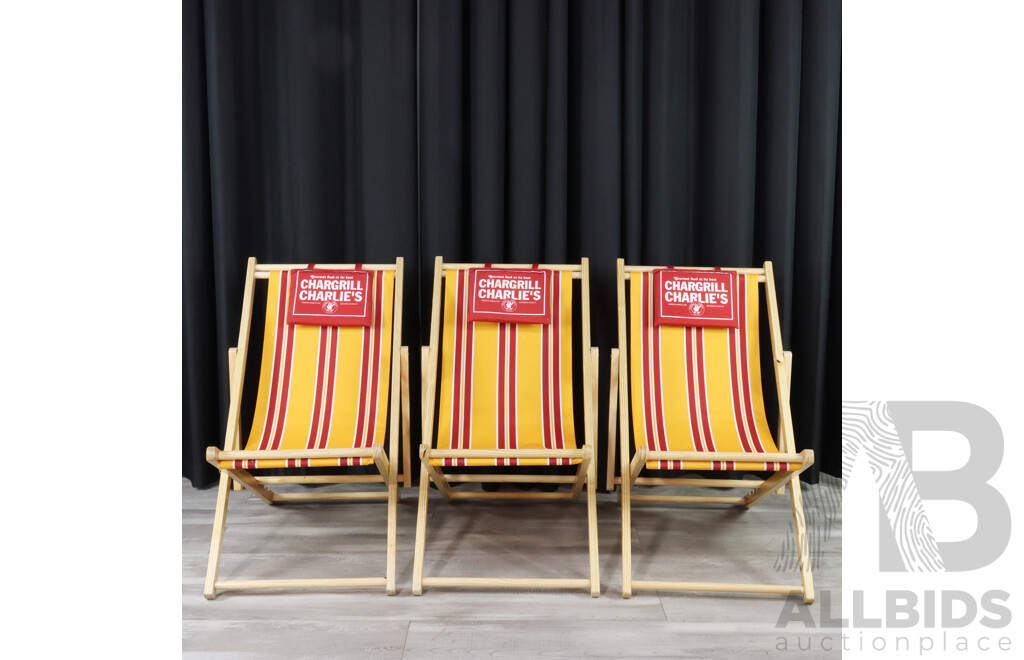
(389, 586)
(595, 565)
(232, 353)
(406, 422)
(217, 542)
(421, 532)
(800, 536)
(613, 405)
(625, 486)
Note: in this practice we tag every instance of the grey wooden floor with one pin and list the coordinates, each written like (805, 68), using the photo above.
(508, 539)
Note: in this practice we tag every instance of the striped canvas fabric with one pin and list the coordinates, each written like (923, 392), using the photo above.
(506, 385)
(321, 387)
(698, 389)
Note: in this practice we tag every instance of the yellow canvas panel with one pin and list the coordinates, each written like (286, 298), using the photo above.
(321, 387)
(698, 389)
(499, 387)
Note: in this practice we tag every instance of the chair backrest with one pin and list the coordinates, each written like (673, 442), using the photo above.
(697, 388)
(323, 386)
(506, 385)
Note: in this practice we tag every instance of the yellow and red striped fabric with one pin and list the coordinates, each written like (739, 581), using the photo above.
(698, 389)
(506, 385)
(321, 387)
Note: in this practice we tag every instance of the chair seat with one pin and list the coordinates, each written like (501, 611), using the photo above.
(321, 387)
(504, 385)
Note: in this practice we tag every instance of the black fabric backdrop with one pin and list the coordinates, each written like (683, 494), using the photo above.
(690, 133)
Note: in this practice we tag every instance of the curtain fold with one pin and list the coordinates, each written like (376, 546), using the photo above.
(701, 133)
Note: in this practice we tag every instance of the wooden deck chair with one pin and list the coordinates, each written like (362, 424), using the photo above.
(506, 400)
(698, 406)
(322, 402)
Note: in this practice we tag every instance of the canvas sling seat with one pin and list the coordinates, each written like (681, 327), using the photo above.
(322, 401)
(506, 401)
(696, 404)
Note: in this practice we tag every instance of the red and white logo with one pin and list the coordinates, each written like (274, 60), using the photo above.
(509, 296)
(704, 298)
(330, 297)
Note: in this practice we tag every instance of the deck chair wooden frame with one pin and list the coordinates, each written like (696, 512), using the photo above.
(631, 468)
(586, 472)
(386, 461)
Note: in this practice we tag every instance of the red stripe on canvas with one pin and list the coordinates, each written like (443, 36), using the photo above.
(467, 405)
(275, 380)
(322, 351)
(370, 429)
(647, 389)
(735, 385)
(286, 386)
(659, 395)
(755, 437)
(705, 413)
(556, 372)
(545, 385)
(453, 440)
(364, 368)
(500, 417)
(513, 390)
(691, 396)
(332, 377)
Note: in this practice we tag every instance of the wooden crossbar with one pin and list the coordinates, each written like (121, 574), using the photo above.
(504, 453)
(663, 585)
(512, 478)
(762, 277)
(688, 499)
(309, 583)
(505, 583)
(214, 456)
(271, 268)
(694, 481)
(317, 497)
(559, 267)
(322, 479)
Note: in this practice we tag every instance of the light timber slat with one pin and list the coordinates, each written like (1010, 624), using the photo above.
(310, 497)
(662, 585)
(505, 453)
(509, 495)
(324, 479)
(311, 583)
(521, 583)
(696, 481)
(512, 478)
(288, 453)
(701, 499)
(559, 267)
(269, 268)
(613, 404)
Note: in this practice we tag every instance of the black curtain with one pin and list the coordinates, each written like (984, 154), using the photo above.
(682, 132)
